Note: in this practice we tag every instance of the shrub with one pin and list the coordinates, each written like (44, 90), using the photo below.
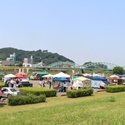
(117, 88)
(38, 91)
(2, 84)
(79, 92)
(22, 100)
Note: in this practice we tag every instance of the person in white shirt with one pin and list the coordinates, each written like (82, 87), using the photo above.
(12, 82)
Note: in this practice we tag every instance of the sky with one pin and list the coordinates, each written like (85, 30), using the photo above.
(81, 30)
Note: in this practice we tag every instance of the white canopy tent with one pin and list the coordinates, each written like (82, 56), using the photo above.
(77, 84)
(61, 74)
(81, 82)
(48, 76)
(9, 76)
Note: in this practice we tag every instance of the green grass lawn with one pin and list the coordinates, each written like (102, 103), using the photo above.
(100, 109)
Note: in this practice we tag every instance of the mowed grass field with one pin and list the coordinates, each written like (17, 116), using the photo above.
(101, 108)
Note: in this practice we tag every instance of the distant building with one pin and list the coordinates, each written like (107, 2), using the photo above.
(7, 63)
(10, 61)
(11, 58)
(28, 62)
(31, 60)
(25, 60)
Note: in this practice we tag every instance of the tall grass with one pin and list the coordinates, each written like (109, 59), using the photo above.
(95, 110)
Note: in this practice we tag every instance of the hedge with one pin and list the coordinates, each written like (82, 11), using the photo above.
(117, 88)
(79, 92)
(22, 100)
(38, 91)
(2, 84)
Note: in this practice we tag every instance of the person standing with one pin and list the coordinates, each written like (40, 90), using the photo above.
(64, 86)
(41, 83)
(12, 83)
(50, 83)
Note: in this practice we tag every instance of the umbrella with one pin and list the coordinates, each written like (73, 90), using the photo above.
(20, 76)
(22, 73)
(114, 77)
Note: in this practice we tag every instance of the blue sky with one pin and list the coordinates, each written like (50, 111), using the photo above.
(81, 30)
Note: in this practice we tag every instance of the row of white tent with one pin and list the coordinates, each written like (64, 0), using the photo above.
(61, 74)
(80, 81)
(77, 82)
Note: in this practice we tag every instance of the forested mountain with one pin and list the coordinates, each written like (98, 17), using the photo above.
(38, 55)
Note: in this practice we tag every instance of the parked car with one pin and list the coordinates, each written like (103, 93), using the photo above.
(6, 91)
(24, 84)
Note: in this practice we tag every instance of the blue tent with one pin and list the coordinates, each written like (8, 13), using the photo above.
(106, 82)
(96, 81)
(61, 79)
(102, 78)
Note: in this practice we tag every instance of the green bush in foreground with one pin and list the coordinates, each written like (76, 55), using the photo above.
(38, 91)
(22, 100)
(2, 84)
(117, 88)
(79, 92)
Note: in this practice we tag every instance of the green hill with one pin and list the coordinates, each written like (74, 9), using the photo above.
(38, 55)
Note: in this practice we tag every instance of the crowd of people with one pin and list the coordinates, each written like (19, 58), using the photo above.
(44, 81)
(49, 83)
(12, 82)
(63, 87)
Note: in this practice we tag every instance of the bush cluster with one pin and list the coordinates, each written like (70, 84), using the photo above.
(79, 92)
(39, 91)
(22, 100)
(2, 84)
(117, 88)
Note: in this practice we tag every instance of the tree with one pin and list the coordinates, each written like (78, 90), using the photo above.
(118, 70)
